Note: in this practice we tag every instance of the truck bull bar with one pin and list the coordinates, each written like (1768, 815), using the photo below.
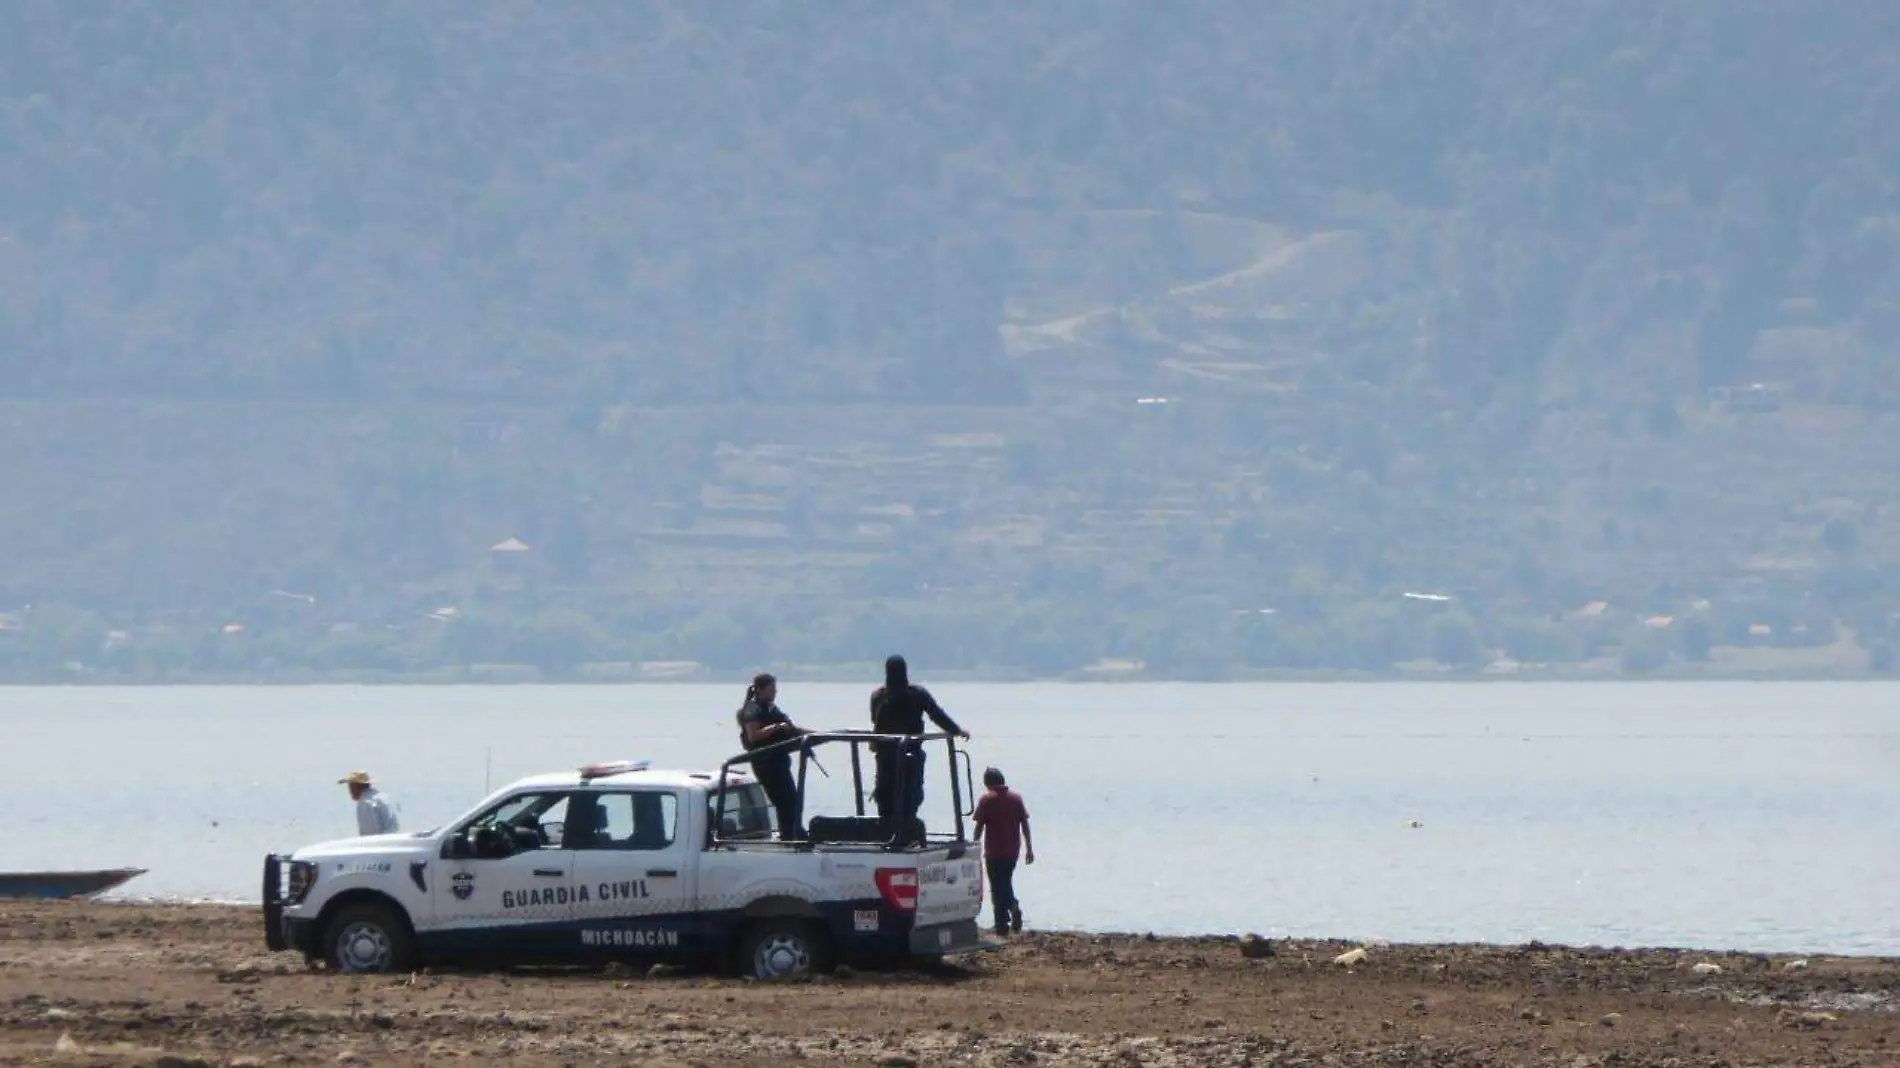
(274, 936)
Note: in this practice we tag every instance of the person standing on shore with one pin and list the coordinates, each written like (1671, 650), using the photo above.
(374, 813)
(1002, 813)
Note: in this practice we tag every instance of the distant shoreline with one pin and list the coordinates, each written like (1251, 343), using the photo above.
(871, 675)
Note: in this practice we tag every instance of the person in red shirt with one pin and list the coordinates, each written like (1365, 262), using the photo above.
(1001, 813)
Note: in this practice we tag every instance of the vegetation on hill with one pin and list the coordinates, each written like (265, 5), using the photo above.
(1017, 337)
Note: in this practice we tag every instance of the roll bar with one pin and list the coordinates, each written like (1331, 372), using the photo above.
(856, 829)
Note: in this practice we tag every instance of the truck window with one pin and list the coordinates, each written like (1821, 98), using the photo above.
(532, 820)
(748, 813)
(631, 819)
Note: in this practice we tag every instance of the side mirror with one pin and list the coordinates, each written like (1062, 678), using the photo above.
(490, 842)
(458, 848)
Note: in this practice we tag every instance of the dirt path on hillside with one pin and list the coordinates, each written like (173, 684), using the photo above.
(135, 985)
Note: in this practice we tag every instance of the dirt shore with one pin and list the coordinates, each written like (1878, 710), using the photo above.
(177, 986)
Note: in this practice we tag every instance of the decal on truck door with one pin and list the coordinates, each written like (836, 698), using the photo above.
(534, 898)
(625, 890)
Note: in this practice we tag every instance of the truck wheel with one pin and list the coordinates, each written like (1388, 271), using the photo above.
(776, 950)
(368, 939)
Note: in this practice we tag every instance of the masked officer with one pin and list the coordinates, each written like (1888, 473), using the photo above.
(899, 707)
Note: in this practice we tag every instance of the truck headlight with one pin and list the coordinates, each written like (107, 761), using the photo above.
(303, 876)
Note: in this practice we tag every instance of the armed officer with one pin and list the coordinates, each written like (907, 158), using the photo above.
(761, 723)
(899, 707)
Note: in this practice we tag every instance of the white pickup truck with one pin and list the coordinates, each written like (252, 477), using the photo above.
(621, 861)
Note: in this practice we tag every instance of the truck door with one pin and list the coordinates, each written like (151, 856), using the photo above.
(634, 875)
(509, 888)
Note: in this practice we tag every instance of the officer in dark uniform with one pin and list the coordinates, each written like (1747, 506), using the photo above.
(761, 724)
(899, 707)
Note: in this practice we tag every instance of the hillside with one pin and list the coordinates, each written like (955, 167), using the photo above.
(1017, 337)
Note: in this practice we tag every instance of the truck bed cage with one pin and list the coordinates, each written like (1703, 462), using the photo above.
(859, 830)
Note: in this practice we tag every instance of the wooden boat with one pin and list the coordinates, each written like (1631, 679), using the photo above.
(49, 885)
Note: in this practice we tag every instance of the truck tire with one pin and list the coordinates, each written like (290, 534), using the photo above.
(367, 939)
(780, 949)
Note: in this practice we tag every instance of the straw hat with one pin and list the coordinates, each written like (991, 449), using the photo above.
(354, 778)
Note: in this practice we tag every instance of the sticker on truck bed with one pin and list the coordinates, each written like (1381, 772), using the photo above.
(949, 890)
(866, 919)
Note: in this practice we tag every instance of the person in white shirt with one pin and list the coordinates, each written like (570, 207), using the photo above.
(374, 813)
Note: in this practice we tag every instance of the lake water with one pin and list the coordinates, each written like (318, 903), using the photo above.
(1745, 815)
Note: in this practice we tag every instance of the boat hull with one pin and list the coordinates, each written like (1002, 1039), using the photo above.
(54, 885)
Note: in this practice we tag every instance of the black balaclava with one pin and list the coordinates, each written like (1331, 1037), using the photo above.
(896, 673)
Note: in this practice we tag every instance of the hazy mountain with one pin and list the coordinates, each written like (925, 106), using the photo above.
(793, 331)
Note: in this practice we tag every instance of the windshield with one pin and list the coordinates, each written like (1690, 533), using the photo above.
(522, 810)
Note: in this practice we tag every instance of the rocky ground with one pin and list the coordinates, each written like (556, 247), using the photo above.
(134, 985)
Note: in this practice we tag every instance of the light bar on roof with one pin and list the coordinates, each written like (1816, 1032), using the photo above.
(612, 767)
